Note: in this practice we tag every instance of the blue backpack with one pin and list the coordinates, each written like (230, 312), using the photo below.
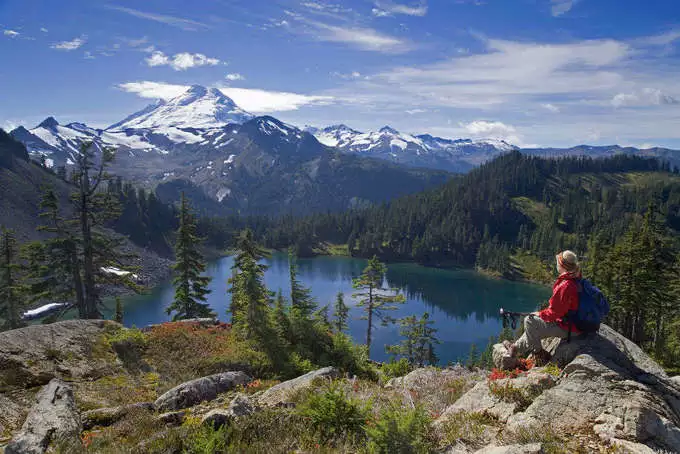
(592, 308)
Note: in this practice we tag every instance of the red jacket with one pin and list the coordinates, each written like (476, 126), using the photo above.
(563, 300)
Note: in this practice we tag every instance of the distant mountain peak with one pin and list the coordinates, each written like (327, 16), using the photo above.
(388, 130)
(198, 107)
(49, 122)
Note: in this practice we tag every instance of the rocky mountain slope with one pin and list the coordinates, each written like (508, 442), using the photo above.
(93, 386)
(459, 155)
(229, 161)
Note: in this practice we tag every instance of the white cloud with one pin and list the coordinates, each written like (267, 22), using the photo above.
(380, 13)
(642, 98)
(234, 76)
(11, 33)
(88, 55)
(415, 111)
(663, 39)
(551, 107)
(179, 22)
(348, 76)
(560, 7)
(492, 130)
(181, 61)
(362, 38)
(263, 101)
(74, 44)
(389, 7)
(44, 30)
(154, 90)
(253, 100)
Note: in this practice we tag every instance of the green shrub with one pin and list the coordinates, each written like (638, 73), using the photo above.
(552, 369)
(350, 357)
(395, 369)
(334, 416)
(205, 440)
(466, 427)
(399, 430)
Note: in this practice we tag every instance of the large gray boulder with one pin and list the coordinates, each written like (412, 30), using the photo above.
(239, 407)
(201, 389)
(34, 355)
(53, 417)
(482, 399)
(611, 386)
(282, 393)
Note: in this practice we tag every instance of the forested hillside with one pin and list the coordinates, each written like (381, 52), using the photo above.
(512, 215)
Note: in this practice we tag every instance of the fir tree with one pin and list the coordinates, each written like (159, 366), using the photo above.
(191, 287)
(419, 338)
(11, 290)
(341, 313)
(246, 256)
(118, 315)
(92, 208)
(250, 299)
(373, 298)
(302, 302)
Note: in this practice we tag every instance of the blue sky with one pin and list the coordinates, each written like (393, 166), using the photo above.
(534, 72)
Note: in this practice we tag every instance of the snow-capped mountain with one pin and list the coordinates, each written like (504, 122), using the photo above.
(194, 118)
(413, 150)
(198, 107)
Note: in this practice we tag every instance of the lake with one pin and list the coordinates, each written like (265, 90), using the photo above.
(464, 304)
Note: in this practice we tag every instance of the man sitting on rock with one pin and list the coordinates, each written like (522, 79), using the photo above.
(549, 322)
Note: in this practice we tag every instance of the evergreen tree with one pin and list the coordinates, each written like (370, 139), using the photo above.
(341, 313)
(55, 264)
(373, 298)
(92, 208)
(302, 302)
(11, 290)
(246, 256)
(118, 315)
(250, 299)
(191, 287)
(419, 338)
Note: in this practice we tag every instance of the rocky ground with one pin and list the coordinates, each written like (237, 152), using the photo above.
(92, 386)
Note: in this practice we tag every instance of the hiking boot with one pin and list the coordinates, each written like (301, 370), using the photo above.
(541, 357)
(510, 347)
(509, 362)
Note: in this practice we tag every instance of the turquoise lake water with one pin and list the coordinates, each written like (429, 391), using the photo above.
(463, 304)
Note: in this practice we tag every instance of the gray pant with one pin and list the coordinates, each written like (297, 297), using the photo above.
(536, 329)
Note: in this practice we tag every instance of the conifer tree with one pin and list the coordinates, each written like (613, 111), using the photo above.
(191, 286)
(11, 295)
(375, 300)
(302, 302)
(118, 315)
(281, 317)
(246, 256)
(419, 338)
(341, 313)
(250, 299)
(92, 208)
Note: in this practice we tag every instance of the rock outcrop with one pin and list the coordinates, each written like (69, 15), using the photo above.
(103, 417)
(34, 355)
(608, 385)
(201, 389)
(53, 417)
(281, 393)
(239, 407)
